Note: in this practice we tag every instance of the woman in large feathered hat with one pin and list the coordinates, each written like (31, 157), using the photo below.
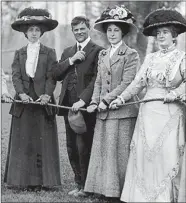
(113, 131)
(33, 156)
(153, 171)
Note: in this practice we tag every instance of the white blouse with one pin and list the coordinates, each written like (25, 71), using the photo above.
(32, 58)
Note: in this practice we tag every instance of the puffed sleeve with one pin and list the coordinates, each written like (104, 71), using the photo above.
(181, 89)
(139, 82)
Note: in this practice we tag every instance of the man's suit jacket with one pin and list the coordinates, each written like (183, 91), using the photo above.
(114, 75)
(43, 83)
(86, 72)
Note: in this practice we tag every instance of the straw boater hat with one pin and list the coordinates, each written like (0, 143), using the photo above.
(31, 16)
(161, 17)
(118, 14)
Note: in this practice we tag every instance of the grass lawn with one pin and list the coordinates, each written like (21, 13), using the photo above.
(60, 195)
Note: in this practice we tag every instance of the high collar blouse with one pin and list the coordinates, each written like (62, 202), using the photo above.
(32, 58)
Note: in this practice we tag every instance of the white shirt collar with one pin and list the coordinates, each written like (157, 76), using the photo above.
(32, 58)
(116, 46)
(34, 45)
(84, 43)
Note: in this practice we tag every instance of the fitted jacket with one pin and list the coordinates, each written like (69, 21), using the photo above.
(114, 75)
(43, 84)
(86, 72)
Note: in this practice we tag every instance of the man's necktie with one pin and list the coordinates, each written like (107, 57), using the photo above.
(79, 47)
(78, 61)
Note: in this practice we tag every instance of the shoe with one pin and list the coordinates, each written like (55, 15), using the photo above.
(81, 193)
(74, 191)
(31, 188)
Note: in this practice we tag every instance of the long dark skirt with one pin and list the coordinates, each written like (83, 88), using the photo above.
(33, 153)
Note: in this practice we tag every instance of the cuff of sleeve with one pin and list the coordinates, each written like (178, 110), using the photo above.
(105, 102)
(70, 62)
(121, 98)
(48, 96)
(93, 103)
(174, 93)
(183, 95)
(83, 101)
(21, 92)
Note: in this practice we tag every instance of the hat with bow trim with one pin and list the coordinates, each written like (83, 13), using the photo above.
(31, 16)
(162, 17)
(118, 14)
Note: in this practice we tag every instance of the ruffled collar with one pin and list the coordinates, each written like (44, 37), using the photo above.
(169, 49)
(34, 45)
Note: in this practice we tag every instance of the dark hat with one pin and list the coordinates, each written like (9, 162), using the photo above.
(77, 122)
(161, 17)
(31, 16)
(118, 14)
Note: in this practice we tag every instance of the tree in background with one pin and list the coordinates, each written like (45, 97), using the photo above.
(12, 40)
(10, 10)
(140, 9)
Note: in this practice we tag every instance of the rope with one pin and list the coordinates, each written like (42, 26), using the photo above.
(53, 105)
(150, 100)
(83, 109)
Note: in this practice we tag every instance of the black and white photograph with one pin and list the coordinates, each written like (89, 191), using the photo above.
(93, 101)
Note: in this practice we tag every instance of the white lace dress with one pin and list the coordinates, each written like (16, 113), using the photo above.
(157, 145)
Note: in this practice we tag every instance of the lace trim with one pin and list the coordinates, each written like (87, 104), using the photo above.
(162, 76)
(151, 153)
(181, 150)
(172, 62)
(150, 192)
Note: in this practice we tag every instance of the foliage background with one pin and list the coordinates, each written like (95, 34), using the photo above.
(59, 39)
(62, 36)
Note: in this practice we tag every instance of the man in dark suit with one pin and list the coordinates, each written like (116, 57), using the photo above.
(77, 70)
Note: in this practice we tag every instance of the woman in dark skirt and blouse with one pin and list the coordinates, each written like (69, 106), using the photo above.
(33, 154)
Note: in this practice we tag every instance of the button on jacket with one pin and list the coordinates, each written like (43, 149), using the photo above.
(43, 83)
(114, 75)
(86, 73)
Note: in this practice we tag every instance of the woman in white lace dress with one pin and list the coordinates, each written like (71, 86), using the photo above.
(156, 151)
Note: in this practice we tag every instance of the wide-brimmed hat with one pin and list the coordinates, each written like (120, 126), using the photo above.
(162, 17)
(77, 122)
(31, 16)
(118, 14)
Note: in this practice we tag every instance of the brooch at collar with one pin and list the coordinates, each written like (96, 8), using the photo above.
(121, 53)
(103, 53)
